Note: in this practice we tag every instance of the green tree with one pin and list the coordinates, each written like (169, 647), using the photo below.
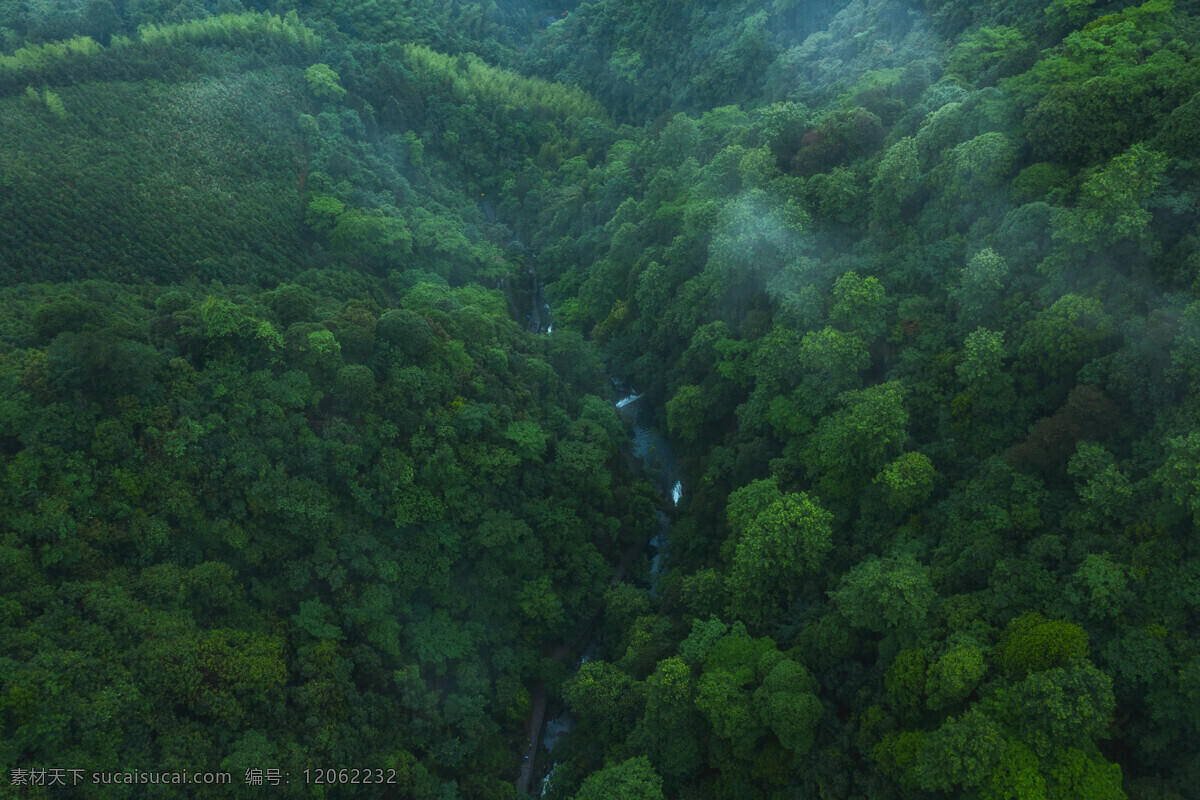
(102, 363)
(859, 305)
(891, 594)
(373, 234)
(686, 412)
(405, 332)
(895, 183)
(1175, 137)
(1105, 492)
(851, 445)
(1100, 586)
(955, 675)
(541, 604)
(987, 385)
(839, 194)
(982, 284)
(322, 212)
(1058, 708)
(1017, 775)
(745, 504)
(974, 170)
(1066, 335)
(989, 54)
(787, 539)
(1068, 13)
(787, 702)
(1111, 207)
(324, 82)
(1076, 774)
(1180, 473)
(55, 104)
(672, 724)
(634, 779)
(354, 386)
(963, 752)
(833, 362)
(1032, 643)
(67, 313)
(725, 694)
(527, 438)
(906, 681)
(606, 699)
(982, 366)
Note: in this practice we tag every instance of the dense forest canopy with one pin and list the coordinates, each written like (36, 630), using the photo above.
(313, 322)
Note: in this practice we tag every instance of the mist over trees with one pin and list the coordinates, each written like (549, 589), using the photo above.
(296, 473)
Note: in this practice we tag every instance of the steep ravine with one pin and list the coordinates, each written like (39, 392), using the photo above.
(653, 450)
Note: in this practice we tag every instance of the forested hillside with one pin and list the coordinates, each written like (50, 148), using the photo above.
(312, 323)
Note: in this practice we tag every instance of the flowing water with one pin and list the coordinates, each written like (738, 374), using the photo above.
(627, 400)
(546, 780)
(658, 458)
(653, 449)
(555, 729)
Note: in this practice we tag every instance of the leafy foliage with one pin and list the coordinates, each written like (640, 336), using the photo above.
(307, 455)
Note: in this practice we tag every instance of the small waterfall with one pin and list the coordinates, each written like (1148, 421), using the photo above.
(546, 780)
(677, 492)
(626, 401)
